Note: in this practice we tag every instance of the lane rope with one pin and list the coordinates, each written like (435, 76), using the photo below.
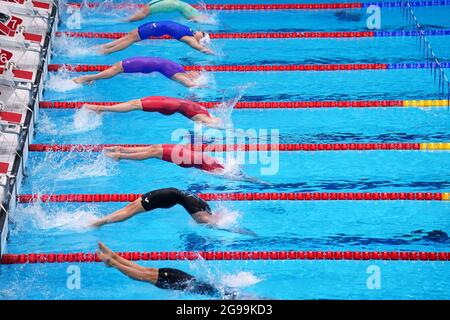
(286, 67)
(285, 6)
(271, 35)
(276, 104)
(432, 146)
(230, 255)
(250, 196)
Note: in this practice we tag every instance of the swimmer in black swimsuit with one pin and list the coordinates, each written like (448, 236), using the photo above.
(163, 278)
(167, 198)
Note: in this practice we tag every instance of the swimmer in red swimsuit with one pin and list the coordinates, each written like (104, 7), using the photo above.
(163, 105)
(181, 156)
(177, 154)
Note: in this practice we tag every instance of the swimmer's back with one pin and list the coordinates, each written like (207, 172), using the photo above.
(163, 28)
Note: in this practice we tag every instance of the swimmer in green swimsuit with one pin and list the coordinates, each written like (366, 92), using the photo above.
(166, 6)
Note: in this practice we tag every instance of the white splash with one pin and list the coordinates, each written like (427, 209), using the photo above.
(232, 167)
(45, 125)
(72, 47)
(240, 280)
(101, 166)
(86, 120)
(224, 110)
(226, 218)
(71, 167)
(45, 217)
(205, 80)
(61, 81)
(106, 13)
(207, 17)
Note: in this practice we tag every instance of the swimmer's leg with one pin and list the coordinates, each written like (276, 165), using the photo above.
(147, 275)
(141, 153)
(107, 74)
(122, 43)
(123, 214)
(132, 149)
(140, 15)
(108, 252)
(132, 105)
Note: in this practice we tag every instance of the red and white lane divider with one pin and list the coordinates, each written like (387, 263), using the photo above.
(253, 104)
(242, 68)
(231, 255)
(283, 147)
(249, 196)
(241, 7)
(232, 35)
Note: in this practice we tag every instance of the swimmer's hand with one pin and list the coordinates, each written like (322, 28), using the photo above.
(243, 231)
(83, 79)
(241, 176)
(203, 19)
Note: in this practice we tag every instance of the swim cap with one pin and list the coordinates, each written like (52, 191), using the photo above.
(205, 41)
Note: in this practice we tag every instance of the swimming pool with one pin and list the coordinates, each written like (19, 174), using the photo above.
(280, 225)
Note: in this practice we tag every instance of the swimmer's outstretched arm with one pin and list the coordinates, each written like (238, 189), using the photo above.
(140, 15)
(243, 177)
(213, 221)
(203, 19)
(195, 45)
(123, 214)
(184, 80)
(243, 231)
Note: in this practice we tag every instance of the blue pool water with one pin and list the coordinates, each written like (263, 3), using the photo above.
(326, 225)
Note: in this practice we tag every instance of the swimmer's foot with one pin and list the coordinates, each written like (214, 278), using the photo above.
(113, 155)
(107, 260)
(104, 249)
(113, 149)
(98, 109)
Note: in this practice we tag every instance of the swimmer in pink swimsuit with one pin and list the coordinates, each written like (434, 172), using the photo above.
(171, 70)
(165, 106)
(177, 154)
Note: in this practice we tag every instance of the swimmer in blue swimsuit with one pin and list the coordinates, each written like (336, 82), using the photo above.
(167, 68)
(196, 39)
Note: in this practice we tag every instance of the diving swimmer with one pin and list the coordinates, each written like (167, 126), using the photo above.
(168, 198)
(165, 6)
(198, 40)
(181, 156)
(176, 154)
(167, 68)
(165, 106)
(163, 278)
